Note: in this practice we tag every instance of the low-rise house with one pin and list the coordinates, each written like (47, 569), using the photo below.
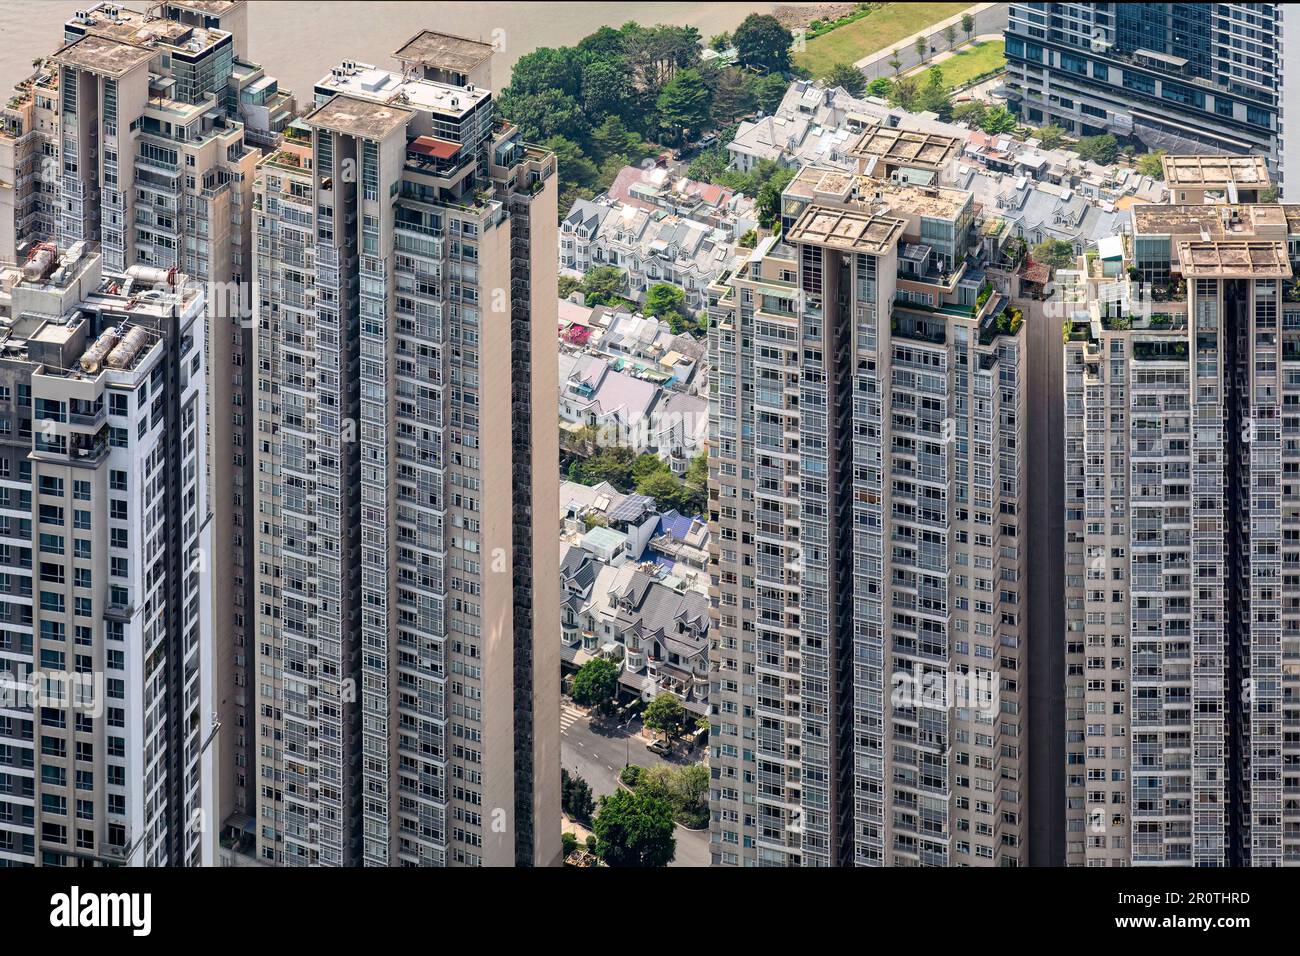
(592, 393)
(665, 633)
(681, 429)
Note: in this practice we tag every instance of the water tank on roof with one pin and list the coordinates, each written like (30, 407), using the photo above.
(93, 359)
(128, 348)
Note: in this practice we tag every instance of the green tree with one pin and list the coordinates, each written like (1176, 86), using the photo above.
(880, 87)
(544, 114)
(665, 714)
(648, 464)
(634, 829)
(999, 119)
(769, 197)
(665, 301)
(606, 87)
(1102, 150)
(568, 285)
(762, 42)
(905, 92)
(575, 797)
(920, 48)
(967, 24)
(684, 104)
(1050, 136)
(1055, 252)
(604, 285)
(546, 69)
(848, 77)
(720, 42)
(769, 90)
(732, 94)
(971, 113)
(1151, 165)
(667, 491)
(697, 472)
(895, 63)
(574, 167)
(595, 683)
(934, 96)
(950, 34)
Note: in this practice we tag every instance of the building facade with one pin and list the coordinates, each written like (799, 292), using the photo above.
(132, 136)
(1187, 77)
(867, 483)
(408, 585)
(1183, 629)
(108, 711)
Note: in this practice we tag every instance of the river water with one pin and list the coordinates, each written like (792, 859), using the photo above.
(298, 41)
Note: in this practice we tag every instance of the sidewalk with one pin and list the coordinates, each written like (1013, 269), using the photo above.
(908, 43)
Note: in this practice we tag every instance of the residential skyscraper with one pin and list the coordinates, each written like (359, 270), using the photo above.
(867, 494)
(105, 610)
(1187, 77)
(1182, 385)
(407, 576)
(135, 136)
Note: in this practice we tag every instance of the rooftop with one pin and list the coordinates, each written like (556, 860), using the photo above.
(846, 229)
(1249, 258)
(99, 54)
(364, 81)
(1215, 170)
(358, 117)
(445, 51)
(900, 147)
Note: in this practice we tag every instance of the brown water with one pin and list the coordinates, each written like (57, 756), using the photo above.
(298, 41)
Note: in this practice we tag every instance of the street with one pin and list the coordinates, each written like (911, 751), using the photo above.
(597, 755)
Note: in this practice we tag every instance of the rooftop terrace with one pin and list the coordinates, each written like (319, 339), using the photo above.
(1215, 171)
(900, 147)
(846, 229)
(102, 55)
(358, 117)
(1234, 258)
(444, 51)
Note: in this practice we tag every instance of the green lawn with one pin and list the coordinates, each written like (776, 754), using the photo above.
(971, 61)
(882, 29)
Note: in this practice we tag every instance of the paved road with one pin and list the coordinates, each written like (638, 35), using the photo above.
(597, 754)
(989, 18)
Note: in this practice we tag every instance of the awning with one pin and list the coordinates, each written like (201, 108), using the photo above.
(432, 146)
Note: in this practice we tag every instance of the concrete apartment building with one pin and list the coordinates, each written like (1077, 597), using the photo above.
(105, 605)
(137, 135)
(1187, 77)
(1182, 531)
(407, 576)
(866, 500)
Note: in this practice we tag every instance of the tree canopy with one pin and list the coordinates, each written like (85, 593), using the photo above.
(595, 683)
(762, 42)
(634, 829)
